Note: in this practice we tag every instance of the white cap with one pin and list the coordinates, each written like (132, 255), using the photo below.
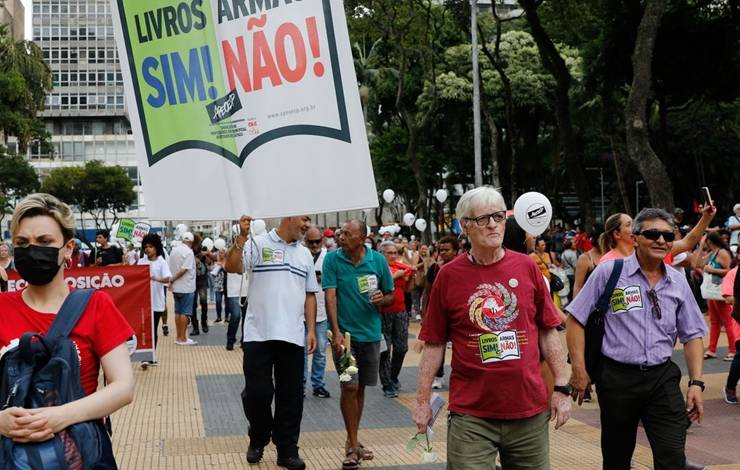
(187, 237)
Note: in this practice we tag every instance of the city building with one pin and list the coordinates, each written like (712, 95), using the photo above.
(12, 14)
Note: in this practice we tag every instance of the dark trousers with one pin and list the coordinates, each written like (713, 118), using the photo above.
(734, 375)
(395, 328)
(628, 395)
(157, 318)
(201, 297)
(284, 360)
(219, 296)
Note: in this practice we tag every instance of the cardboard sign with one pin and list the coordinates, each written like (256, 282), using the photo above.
(252, 102)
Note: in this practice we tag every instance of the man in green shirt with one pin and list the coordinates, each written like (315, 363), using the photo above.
(357, 282)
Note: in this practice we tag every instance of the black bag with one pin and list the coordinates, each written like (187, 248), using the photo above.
(595, 326)
(44, 370)
(556, 284)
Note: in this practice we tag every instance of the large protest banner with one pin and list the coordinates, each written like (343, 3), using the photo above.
(128, 286)
(244, 106)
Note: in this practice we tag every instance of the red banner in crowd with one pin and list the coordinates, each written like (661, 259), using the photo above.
(129, 286)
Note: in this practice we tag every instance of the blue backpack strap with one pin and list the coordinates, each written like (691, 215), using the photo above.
(603, 303)
(70, 313)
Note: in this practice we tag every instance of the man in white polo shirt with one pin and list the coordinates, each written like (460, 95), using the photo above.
(282, 296)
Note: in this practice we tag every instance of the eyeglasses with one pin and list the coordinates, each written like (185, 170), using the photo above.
(482, 221)
(655, 235)
(653, 296)
(313, 242)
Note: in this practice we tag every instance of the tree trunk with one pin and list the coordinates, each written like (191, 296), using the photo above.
(653, 171)
(620, 183)
(554, 63)
(495, 152)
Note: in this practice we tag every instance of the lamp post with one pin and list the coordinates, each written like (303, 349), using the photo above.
(476, 93)
(637, 196)
(601, 181)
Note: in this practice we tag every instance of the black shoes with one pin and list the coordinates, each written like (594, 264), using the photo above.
(321, 392)
(291, 463)
(165, 330)
(195, 333)
(229, 346)
(205, 328)
(254, 454)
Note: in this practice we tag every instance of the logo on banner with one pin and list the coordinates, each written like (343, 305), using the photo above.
(499, 346)
(224, 107)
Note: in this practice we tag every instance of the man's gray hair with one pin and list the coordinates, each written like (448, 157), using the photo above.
(483, 196)
(385, 245)
(651, 213)
(361, 226)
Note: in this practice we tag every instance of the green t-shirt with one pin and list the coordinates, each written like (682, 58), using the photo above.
(354, 284)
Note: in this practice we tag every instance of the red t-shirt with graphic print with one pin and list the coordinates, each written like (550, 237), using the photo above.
(492, 314)
(100, 329)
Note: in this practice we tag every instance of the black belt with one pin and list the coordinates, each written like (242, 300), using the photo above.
(643, 367)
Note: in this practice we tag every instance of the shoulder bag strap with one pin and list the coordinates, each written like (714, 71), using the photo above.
(603, 303)
(70, 313)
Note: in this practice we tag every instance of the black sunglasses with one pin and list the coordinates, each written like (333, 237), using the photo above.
(656, 306)
(313, 242)
(654, 235)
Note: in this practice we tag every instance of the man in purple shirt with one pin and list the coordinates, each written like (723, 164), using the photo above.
(651, 306)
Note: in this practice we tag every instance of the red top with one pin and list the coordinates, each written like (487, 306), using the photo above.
(399, 285)
(583, 242)
(101, 328)
(492, 314)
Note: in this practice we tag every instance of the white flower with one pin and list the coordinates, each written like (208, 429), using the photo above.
(428, 457)
(351, 370)
(345, 377)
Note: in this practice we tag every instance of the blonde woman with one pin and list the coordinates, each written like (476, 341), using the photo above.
(42, 232)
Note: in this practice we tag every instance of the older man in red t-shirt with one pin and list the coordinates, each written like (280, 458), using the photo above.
(395, 322)
(494, 306)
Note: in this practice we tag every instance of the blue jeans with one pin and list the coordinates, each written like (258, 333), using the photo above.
(234, 312)
(318, 364)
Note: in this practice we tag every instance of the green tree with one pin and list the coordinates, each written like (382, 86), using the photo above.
(102, 191)
(18, 179)
(25, 79)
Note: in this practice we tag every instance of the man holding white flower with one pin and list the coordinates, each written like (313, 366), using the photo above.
(494, 306)
(357, 282)
(280, 321)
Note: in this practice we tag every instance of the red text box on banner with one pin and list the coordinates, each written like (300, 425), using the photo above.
(128, 286)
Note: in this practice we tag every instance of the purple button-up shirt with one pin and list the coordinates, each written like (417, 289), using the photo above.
(633, 333)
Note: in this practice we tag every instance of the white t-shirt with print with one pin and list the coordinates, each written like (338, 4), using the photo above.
(158, 269)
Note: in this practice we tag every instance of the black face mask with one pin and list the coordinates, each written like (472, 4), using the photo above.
(37, 265)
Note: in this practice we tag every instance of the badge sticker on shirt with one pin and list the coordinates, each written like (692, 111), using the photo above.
(278, 256)
(367, 283)
(626, 299)
(267, 254)
(499, 346)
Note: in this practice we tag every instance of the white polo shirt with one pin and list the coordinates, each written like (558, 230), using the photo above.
(280, 275)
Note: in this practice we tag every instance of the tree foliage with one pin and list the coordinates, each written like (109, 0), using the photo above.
(102, 191)
(18, 179)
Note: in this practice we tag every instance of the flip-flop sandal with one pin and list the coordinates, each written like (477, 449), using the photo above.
(365, 453)
(352, 459)
(729, 357)
(709, 355)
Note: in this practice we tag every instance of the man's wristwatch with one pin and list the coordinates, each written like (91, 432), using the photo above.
(698, 383)
(564, 389)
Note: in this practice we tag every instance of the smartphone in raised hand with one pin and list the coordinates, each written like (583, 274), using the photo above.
(707, 197)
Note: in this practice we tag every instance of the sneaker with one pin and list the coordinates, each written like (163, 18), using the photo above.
(437, 384)
(390, 393)
(254, 454)
(187, 342)
(217, 320)
(147, 364)
(195, 333)
(229, 346)
(321, 392)
(587, 397)
(731, 396)
(418, 317)
(165, 330)
(291, 463)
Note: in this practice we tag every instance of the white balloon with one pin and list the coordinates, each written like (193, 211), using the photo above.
(413, 237)
(420, 225)
(219, 244)
(258, 227)
(180, 229)
(208, 243)
(533, 212)
(441, 195)
(396, 228)
(408, 219)
(389, 195)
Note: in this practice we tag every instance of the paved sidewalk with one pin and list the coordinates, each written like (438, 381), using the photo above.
(187, 415)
